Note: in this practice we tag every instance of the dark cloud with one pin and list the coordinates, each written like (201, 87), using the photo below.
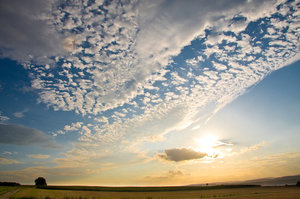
(25, 33)
(182, 154)
(21, 135)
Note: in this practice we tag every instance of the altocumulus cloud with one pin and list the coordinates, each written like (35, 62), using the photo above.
(22, 135)
(178, 155)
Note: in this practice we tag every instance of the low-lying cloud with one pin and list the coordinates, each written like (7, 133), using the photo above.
(172, 174)
(38, 156)
(7, 161)
(21, 135)
(178, 155)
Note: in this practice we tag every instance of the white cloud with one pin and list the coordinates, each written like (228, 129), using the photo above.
(7, 153)
(21, 113)
(73, 126)
(134, 42)
(219, 66)
(3, 117)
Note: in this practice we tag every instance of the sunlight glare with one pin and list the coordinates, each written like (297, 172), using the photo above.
(207, 144)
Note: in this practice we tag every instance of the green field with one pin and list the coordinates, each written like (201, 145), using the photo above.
(4, 189)
(147, 189)
(29, 192)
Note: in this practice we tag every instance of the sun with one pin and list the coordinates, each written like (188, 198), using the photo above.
(207, 144)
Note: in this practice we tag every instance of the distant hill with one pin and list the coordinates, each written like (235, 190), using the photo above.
(285, 180)
(279, 181)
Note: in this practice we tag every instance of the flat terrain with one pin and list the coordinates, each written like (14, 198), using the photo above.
(27, 192)
(5, 189)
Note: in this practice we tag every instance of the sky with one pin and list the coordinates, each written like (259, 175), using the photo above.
(140, 92)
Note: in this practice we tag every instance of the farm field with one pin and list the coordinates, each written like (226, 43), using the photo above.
(5, 189)
(235, 193)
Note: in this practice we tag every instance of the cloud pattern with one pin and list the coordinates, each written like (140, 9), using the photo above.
(141, 69)
(108, 68)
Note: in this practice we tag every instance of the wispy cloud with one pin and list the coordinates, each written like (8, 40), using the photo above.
(7, 153)
(279, 164)
(170, 175)
(25, 175)
(254, 147)
(20, 114)
(38, 156)
(7, 161)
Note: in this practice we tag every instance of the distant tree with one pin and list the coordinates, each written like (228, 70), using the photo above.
(298, 184)
(40, 182)
(9, 184)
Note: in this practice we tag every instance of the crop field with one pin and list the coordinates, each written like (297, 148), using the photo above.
(4, 189)
(27, 192)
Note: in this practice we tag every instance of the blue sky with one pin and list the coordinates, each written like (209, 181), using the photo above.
(140, 92)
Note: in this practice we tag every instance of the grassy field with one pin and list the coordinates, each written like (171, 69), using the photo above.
(5, 189)
(27, 192)
(147, 189)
